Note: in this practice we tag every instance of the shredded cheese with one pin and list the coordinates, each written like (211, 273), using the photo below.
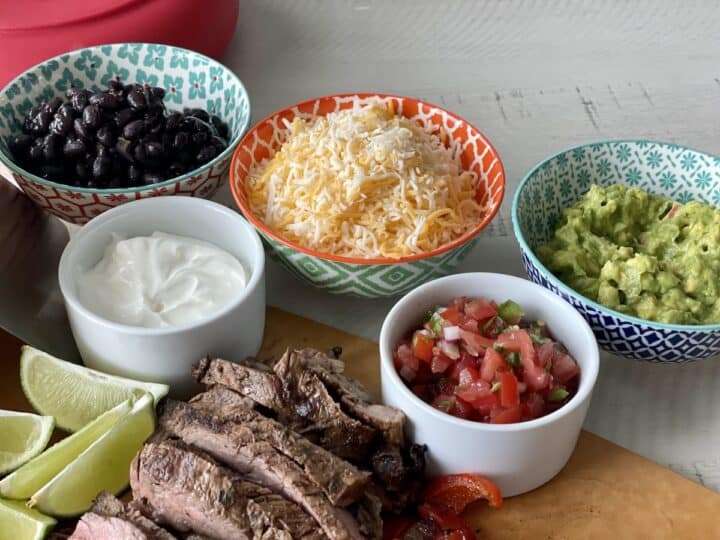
(366, 183)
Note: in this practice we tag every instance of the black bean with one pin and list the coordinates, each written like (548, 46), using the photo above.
(74, 147)
(53, 105)
(80, 100)
(136, 99)
(154, 150)
(116, 88)
(38, 124)
(52, 147)
(123, 116)
(81, 170)
(158, 92)
(200, 137)
(134, 174)
(92, 117)
(37, 151)
(173, 121)
(20, 143)
(105, 136)
(51, 172)
(70, 92)
(206, 153)
(134, 129)
(81, 129)
(139, 153)
(149, 177)
(181, 140)
(166, 139)
(66, 109)
(199, 113)
(105, 100)
(186, 158)
(218, 142)
(101, 167)
(220, 126)
(61, 124)
(125, 149)
(176, 168)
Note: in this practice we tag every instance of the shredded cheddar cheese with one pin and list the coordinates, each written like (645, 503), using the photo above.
(364, 182)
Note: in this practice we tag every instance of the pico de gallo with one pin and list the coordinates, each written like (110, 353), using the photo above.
(483, 361)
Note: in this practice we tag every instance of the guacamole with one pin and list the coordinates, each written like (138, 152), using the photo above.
(640, 254)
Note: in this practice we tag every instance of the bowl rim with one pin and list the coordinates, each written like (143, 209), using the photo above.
(266, 231)
(588, 376)
(115, 191)
(66, 274)
(547, 274)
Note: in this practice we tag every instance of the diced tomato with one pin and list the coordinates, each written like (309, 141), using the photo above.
(506, 416)
(509, 395)
(455, 492)
(422, 346)
(446, 521)
(462, 409)
(453, 316)
(564, 367)
(492, 362)
(440, 363)
(520, 341)
(465, 361)
(485, 404)
(459, 303)
(468, 375)
(444, 402)
(535, 405)
(421, 391)
(407, 358)
(480, 309)
(476, 341)
(471, 325)
(446, 386)
(473, 391)
(545, 354)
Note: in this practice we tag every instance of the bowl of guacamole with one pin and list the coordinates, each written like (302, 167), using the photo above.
(629, 233)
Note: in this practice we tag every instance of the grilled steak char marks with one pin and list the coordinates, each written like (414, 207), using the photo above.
(190, 491)
(228, 441)
(341, 481)
(110, 519)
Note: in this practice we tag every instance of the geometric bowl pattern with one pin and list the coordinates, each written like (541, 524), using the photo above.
(189, 79)
(371, 278)
(561, 180)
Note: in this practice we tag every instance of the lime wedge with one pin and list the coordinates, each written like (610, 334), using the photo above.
(41, 469)
(104, 466)
(73, 394)
(25, 435)
(18, 522)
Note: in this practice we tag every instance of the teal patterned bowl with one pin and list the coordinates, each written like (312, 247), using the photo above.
(189, 79)
(371, 278)
(554, 184)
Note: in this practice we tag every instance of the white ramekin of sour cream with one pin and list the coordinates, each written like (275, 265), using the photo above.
(154, 285)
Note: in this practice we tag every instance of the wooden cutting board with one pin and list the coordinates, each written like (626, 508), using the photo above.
(604, 492)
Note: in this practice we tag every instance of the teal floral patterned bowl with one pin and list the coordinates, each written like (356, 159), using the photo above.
(189, 79)
(371, 278)
(561, 180)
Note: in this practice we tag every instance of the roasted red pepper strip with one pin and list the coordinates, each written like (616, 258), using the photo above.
(447, 524)
(455, 492)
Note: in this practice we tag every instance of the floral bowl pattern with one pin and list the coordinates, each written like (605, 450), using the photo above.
(371, 278)
(189, 79)
(561, 180)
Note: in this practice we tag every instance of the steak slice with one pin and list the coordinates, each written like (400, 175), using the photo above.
(341, 481)
(299, 399)
(354, 397)
(270, 520)
(110, 519)
(189, 491)
(227, 441)
(342, 435)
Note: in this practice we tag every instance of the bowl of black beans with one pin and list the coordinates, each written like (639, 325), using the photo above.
(93, 128)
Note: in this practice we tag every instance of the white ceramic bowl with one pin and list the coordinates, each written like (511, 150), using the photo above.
(517, 457)
(167, 354)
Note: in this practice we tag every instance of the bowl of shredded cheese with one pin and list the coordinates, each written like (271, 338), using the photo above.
(367, 194)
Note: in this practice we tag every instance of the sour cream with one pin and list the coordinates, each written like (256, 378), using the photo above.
(161, 280)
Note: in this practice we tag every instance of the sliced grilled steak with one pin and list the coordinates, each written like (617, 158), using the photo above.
(258, 384)
(368, 512)
(190, 491)
(342, 435)
(270, 520)
(341, 481)
(226, 440)
(298, 397)
(354, 397)
(110, 519)
(219, 395)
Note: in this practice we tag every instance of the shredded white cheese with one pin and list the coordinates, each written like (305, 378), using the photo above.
(364, 182)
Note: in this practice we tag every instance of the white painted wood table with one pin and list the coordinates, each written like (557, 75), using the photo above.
(535, 77)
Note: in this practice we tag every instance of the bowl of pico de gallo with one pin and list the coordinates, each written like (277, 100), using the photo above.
(494, 373)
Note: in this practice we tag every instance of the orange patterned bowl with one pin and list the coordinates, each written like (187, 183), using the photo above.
(377, 277)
